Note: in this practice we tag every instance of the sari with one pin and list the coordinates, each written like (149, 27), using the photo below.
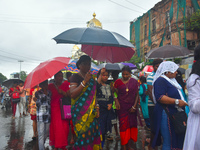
(127, 120)
(59, 129)
(86, 125)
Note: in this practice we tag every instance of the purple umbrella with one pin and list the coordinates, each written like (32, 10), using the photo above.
(132, 66)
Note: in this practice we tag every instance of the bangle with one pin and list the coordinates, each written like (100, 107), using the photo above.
(82, 84)
(133, 107)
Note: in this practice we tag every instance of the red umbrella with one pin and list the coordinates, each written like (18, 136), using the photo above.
(45, 70)
(110, 54)
(148, 68)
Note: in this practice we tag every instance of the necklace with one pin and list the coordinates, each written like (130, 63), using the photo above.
(127, 89)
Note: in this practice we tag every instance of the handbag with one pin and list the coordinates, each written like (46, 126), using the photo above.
(15, 97)
(65, 108)
(179, 121)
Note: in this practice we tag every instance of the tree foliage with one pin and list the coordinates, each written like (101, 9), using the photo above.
(193, 22)
(23, 75)
(2, 78)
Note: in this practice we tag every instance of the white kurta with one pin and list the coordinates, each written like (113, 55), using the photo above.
(192, 137)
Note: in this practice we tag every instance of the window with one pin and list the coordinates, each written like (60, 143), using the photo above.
(166, 18)
(154, 26)
(189, 11)
(145, 31)
(191, 44)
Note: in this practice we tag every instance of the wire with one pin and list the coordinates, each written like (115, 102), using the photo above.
(125, 6)
(20, 55)
(136, 5)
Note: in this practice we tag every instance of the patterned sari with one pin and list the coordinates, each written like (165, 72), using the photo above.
(84, 119)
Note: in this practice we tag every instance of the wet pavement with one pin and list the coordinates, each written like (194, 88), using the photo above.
(16, 134)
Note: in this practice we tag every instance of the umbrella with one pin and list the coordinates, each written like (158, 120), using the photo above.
(109, 66)
(72, 67)
(111, 54)
(148, 68)
(168, 51)
(95, 40)
(45, 70)
(9, 83)
(132, 66)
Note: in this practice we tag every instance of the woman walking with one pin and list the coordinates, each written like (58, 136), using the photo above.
(167, 94)
(59, 129)
(84, 110)
(126, 105)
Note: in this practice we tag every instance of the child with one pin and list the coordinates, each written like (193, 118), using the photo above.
(105, 100)
(43, 99)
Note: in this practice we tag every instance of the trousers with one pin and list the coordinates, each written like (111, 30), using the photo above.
(43, 133)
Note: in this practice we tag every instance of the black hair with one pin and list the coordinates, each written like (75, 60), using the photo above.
(43, 82)
(143, 79)
(196, 70)
(100, 72)
(126, 68)
(179, 79)
(68, 74)
(157, 61)
(57, 74)
(197, 53)
(83, 58)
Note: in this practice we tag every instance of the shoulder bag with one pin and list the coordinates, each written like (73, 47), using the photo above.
(179, 120)
(15, 97)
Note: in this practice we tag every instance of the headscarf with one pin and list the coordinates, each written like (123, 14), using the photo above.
(167, 66)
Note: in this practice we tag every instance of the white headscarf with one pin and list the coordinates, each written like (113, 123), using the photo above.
(167, 66)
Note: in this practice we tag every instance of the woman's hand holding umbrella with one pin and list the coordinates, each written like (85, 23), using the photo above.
(88, 76)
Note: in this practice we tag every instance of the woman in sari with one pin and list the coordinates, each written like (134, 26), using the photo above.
(126, 105)
(59, 129)
(84, 110)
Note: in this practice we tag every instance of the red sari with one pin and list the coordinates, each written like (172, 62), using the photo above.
(59, 129)
(127, 120)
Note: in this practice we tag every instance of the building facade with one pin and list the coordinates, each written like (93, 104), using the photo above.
(164, 24)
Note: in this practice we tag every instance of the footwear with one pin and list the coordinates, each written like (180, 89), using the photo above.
(34, 138)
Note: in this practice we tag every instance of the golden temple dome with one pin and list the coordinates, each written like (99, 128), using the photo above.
(75, 47)
(94, 22)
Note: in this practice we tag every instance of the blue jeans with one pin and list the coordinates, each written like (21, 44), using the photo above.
(165, 132)
(43, 132)
(2, 98)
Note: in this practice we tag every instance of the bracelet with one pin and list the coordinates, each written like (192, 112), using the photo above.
(133, 107)
(82, 84)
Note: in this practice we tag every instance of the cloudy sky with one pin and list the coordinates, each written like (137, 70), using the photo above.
(28, 26)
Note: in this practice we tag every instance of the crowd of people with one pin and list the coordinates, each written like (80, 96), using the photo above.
(97, 104)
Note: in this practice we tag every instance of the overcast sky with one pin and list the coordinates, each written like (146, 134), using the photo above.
(28, 26)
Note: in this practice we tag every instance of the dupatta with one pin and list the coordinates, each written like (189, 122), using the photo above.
(84, 119)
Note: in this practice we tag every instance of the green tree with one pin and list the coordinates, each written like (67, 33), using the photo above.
(193, 22)
(2, 78)
(23, 75)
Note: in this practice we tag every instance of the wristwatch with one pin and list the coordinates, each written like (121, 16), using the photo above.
(176, 101)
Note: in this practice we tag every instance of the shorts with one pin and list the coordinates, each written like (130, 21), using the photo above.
(33, 117)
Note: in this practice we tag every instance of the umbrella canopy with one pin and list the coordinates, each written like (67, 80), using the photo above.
(92, 36)
(100, 44)
(72, 67)
(148, 68)
(168, 51)
(45, 70)
(9, 83)
(109, 66)
(132, 66)
(110, 54)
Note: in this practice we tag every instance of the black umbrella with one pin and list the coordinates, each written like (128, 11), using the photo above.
(109, 66)
(168, 51)
(9, 83)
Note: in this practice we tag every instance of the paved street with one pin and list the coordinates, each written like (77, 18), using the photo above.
(16, 134)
